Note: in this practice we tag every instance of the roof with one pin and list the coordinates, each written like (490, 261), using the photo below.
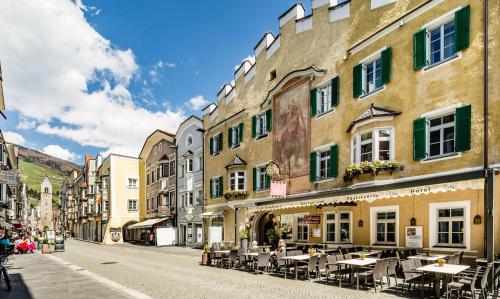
(237, 161)
(371, 113)
(216, 213)
(151, 135)
(147, 223)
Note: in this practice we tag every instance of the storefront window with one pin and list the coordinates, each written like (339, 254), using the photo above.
(386, 227)
(451, 226)
(338, 227)
(286, 227)
(302, 229)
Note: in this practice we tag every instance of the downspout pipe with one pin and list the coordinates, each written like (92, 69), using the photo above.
(202, 131)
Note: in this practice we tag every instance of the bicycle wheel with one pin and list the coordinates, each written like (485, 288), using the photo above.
(6, 278)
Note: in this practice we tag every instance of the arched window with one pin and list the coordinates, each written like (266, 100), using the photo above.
(46, 190)
(189, 140)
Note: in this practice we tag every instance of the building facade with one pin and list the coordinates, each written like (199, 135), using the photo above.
(190, 199)
(366, 132)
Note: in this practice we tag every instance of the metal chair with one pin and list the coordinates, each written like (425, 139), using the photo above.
(310, 267)
(322, 266)
(392, 270)
(262, 261)
(377, 273)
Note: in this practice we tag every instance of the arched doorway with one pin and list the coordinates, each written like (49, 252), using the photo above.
(263, 223)
(130, 234)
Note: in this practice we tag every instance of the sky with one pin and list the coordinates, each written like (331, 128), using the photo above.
(97, 77)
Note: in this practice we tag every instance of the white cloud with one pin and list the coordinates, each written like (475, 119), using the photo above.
(13, 137)
(197, 102)
(26, 124)
(53, 46)
(155, 72)
(59, 152)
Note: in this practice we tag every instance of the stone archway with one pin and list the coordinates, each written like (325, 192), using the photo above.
(260, 224)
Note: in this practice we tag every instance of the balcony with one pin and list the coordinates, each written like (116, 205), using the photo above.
(166, 211)
(151, 213)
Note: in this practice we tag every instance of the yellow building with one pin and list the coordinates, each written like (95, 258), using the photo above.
(371, 113)
(119, 178)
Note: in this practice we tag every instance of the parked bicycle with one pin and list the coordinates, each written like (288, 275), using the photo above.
(4, 256)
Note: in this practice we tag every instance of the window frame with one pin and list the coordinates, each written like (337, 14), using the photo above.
(189, 165)
(303, 232)
(325, 104)
(356, 144)
(434, 24)
(215, 188)
(319, 160)
(133, 183)
(261, 125)
(235, 136)
(215, 144)
(374, 221)
(337, 222)
(261, 175)
(433, 223)
(132, 205)
(441, 128)
(237, 177)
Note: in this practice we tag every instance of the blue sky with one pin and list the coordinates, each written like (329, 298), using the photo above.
(142, 62)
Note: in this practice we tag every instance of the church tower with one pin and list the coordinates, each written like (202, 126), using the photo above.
(45, 205)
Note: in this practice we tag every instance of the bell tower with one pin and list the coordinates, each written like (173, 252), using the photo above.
(46, 205)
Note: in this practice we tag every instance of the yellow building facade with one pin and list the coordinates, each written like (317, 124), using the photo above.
(371, 113)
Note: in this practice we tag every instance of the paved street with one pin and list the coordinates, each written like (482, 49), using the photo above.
(133, 271)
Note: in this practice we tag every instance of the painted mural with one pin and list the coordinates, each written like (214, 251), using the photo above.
(292, 128)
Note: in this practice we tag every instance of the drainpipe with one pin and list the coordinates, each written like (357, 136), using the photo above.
(202, 131)
(176, 194)
(488, 172)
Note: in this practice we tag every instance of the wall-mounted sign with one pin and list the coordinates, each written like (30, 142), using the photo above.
(8, 177)
(312, 219)
(414, 236)
(116, 233)
(316, 232)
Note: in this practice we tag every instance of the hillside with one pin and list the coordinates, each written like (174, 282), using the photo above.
(36, 165)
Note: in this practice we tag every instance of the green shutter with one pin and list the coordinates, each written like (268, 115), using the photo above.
(268, 180)
(269, 120)
(254, 126)
(357, 73)
(462, 28)
(463, 128)
(255, 179)
(211, 146)
(386, 56)
(229, 137)
(335, 91)
(312, 166)
(221, 140)
(211, 188)
(419, 138)
(334, 161)
(314, 108)
(419, 51)
(241, 131)
(221, 186)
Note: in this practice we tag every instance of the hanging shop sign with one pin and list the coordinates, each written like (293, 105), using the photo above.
(414, 236)
(278, 189)
(312, 219)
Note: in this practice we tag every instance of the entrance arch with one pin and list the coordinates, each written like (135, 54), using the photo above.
(262, 222)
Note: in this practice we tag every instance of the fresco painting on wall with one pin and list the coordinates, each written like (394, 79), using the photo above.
(292, 128)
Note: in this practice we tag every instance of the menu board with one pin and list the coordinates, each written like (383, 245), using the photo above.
(414, 236)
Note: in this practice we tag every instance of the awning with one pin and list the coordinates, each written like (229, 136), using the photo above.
(216, 213)
(147, 223)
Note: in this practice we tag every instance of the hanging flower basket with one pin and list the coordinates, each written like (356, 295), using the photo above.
(373, 168)
(235, 195)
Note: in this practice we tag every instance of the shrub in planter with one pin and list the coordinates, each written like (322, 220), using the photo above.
(46, 247)
(204, 257)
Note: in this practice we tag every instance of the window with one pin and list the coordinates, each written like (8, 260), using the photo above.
(450, 223)
(189, 140)
(302, 229)
(216, 144)
(373, 145)
(199, 198)
(235, 134)
(261, 129)
(216, 185)
(172, 168)
(441, 135)
(338, 227)
(272, 75)
(171, 196)
(372, 73)
(184, 200)
(323, 98)
(262, 179)
(386, 227)
(189, 165)
(132, 204)
(324, 165)
(132, 183)
(105, 205)
(190, 198)
(91, 189)
(165, 170)
(237, 180)
(372, 76)
(441, 42)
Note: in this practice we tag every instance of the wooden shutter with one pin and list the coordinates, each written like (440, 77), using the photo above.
(419, 49)
(268, 180)
(254, 126)
(269, 120)
(221, 141)
(313, 99)
(211, 188)
(312, 166)
(419, 139)
(335, 88)
(386, 57)
(211, 146)
(230, 137)
(462, 28)
(221, 186)
(334, 161)
(463, 128)
(255, 179)
(241, 131)
(357, 73)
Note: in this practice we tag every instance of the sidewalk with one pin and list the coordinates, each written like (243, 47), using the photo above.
(40, 277)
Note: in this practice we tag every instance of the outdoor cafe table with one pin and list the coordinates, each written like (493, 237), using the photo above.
(427, 258)
(446, 269)
(367, 253)
(296, 259)
(356, 264)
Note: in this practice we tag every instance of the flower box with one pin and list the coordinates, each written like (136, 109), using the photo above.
(235, 195)
(374, 168)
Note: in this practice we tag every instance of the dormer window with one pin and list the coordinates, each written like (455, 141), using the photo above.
(189, 140)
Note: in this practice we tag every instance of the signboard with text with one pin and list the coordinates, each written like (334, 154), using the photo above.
(312, 219)
(414, 236)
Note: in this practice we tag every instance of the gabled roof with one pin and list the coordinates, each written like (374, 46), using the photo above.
(237, 161)
(371, 113)
(149, 138)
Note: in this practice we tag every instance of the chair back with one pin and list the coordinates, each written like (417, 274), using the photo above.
(279, 258)
(402, 255)
(380, 269)
(358, 248)
(233, 255)
(323, 260)
(348, 256)
(393, 263)
(484, 279)
(454, 259)
(460, 255)
(474, 279)
(413, 251)
(263, 259)
(331, 259)
(418, 263)
(407, 266)
(311, 265)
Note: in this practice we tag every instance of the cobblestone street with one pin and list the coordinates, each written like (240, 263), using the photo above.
(133, 271)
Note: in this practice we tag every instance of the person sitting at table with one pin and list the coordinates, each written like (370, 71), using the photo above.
(281, 249)
(254, 247)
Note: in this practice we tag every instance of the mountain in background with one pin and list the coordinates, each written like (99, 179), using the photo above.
(36, 165)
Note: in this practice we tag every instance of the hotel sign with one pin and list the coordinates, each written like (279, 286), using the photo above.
(312, 219)
(9, 177)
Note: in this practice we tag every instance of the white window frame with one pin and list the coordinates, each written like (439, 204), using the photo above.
(373, 224)
(337, 221)
(433, 219)
(261, 125)
(132, 205)
(324, 99)
(235, 136)
(441, 128)
(295, 228)
(133, 183)
(319, 160)
(237, 177)
(215, 144)
(438, 22)
(189, 165)
(356, 144)
(190, 198)
(261, 172)
(215, 188)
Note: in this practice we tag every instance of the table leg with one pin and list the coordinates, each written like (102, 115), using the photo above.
(437, 286)
(357, 279)
(340, 275)
(296, 270)
(352, 276)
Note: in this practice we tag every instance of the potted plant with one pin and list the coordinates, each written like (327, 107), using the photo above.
(38, 243)
(243, 237)
(311, 251)
(362, 256)
(441, 262)
(204, 256)
(271, 236)
(46, 246)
